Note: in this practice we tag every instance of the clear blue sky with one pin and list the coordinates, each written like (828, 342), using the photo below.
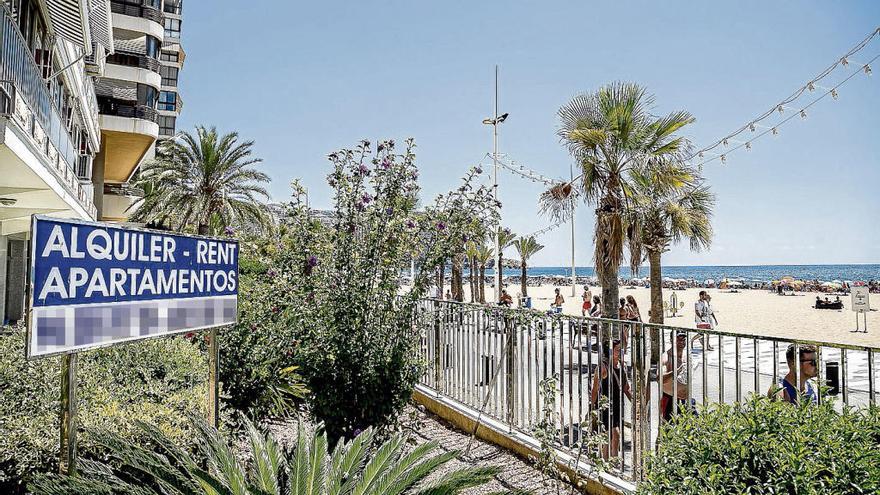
(306, 78)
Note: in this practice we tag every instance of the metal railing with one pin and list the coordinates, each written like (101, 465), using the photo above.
(129, 110)
(20, 76)
(133, 10)
(497, 361)
(130, 59)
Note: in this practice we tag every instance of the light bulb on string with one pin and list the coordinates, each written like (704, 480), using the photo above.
(775, 131)
(748, 145)
(844, 61)
(724, 141)
(779, 108)
(752, 126)
(867, 69)
(803, 114)
(834, 94)
(723, 158)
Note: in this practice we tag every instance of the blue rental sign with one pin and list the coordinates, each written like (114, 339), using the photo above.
(95, 284)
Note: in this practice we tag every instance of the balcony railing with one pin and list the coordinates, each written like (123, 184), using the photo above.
(143, 11)
(123, 190)
(130, 111)
(130, 59)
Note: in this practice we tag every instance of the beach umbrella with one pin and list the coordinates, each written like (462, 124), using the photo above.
(734, 283)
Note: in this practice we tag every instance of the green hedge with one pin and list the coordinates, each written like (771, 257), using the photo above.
(154, 381)
(768, 447)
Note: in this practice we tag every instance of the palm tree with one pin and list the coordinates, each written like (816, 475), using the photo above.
(526, 247)
(471, 253)
(195, 178)
(484, 254)
(505, 239)
(612, 133)
(672, 204)
(312, 469)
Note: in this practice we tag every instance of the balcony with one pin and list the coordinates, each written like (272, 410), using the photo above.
(136, 10)
(128, 110)
(26, 102)
(131, 59)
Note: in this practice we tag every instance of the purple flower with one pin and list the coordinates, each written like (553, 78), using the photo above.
(366, 198)
(410, 224)
(229, 230)
(389, 211)
(386, 163)
(478, 170)
(271, 273)
(357, 431)
(363, 169)
(359, 205)
(441, 226)
(332, 182)
(415, 174)
(312, 261)
(464, 238)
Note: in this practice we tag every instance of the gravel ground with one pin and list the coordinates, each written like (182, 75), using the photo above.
(516, 473)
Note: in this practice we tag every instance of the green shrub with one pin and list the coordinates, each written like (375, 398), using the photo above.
(314, 467)
(157, 381)
(768, 447)
(255, 353)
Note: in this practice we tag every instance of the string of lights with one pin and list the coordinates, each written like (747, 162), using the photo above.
(521, 170)
(543, 231)
(810, 87)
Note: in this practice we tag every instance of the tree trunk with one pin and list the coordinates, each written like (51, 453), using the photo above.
(473, 270)
(457, 271)
(523, 279)
(482, 283)
(441, 278)
(656, 303)
(610, 306)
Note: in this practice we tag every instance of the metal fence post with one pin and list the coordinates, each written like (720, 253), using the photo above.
(213, 378)
(438, 349)
(510, 372)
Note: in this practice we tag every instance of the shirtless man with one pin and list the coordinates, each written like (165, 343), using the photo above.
(675, 374)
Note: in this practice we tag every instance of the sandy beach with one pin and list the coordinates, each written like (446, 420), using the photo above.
(756, 312)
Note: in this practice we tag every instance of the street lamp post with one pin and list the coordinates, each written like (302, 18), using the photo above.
(573, 275)
(494, 121)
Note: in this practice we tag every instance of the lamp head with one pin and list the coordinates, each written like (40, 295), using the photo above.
(488, 121)
(502, 118)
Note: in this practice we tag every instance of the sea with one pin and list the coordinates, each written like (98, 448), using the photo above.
(763, 273)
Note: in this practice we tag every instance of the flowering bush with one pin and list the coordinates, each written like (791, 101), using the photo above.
(358, 349)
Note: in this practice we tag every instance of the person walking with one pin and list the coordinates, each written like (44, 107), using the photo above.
(587, 296)
(702, 318)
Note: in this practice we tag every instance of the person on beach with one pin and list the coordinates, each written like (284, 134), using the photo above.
(588, 300)
(505, 300)
(632, 309)
(787, 388)
(611, 383)
(596, 310)
(702, 318)
(675, 378)
(558, 301)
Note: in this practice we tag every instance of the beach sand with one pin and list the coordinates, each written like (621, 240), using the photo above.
(755, 312)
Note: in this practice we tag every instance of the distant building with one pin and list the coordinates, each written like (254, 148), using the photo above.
(138, 97)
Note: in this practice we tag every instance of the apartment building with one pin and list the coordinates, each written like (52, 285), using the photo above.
(137, 97)
(49, 123)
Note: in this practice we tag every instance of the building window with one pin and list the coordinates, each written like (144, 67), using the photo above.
(166, 125)
(172, 28)
(170, 57)
(168, 101)
(169, 75)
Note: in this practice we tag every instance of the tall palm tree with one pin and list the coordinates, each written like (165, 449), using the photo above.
(505, 239)
(672, 204)
(526, 247)
(195, 178)
(484, 254)
(612, 133)
(471, 253)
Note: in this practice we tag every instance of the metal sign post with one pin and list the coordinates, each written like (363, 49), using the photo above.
(861, 303)
(67, 464)
(95, 285)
